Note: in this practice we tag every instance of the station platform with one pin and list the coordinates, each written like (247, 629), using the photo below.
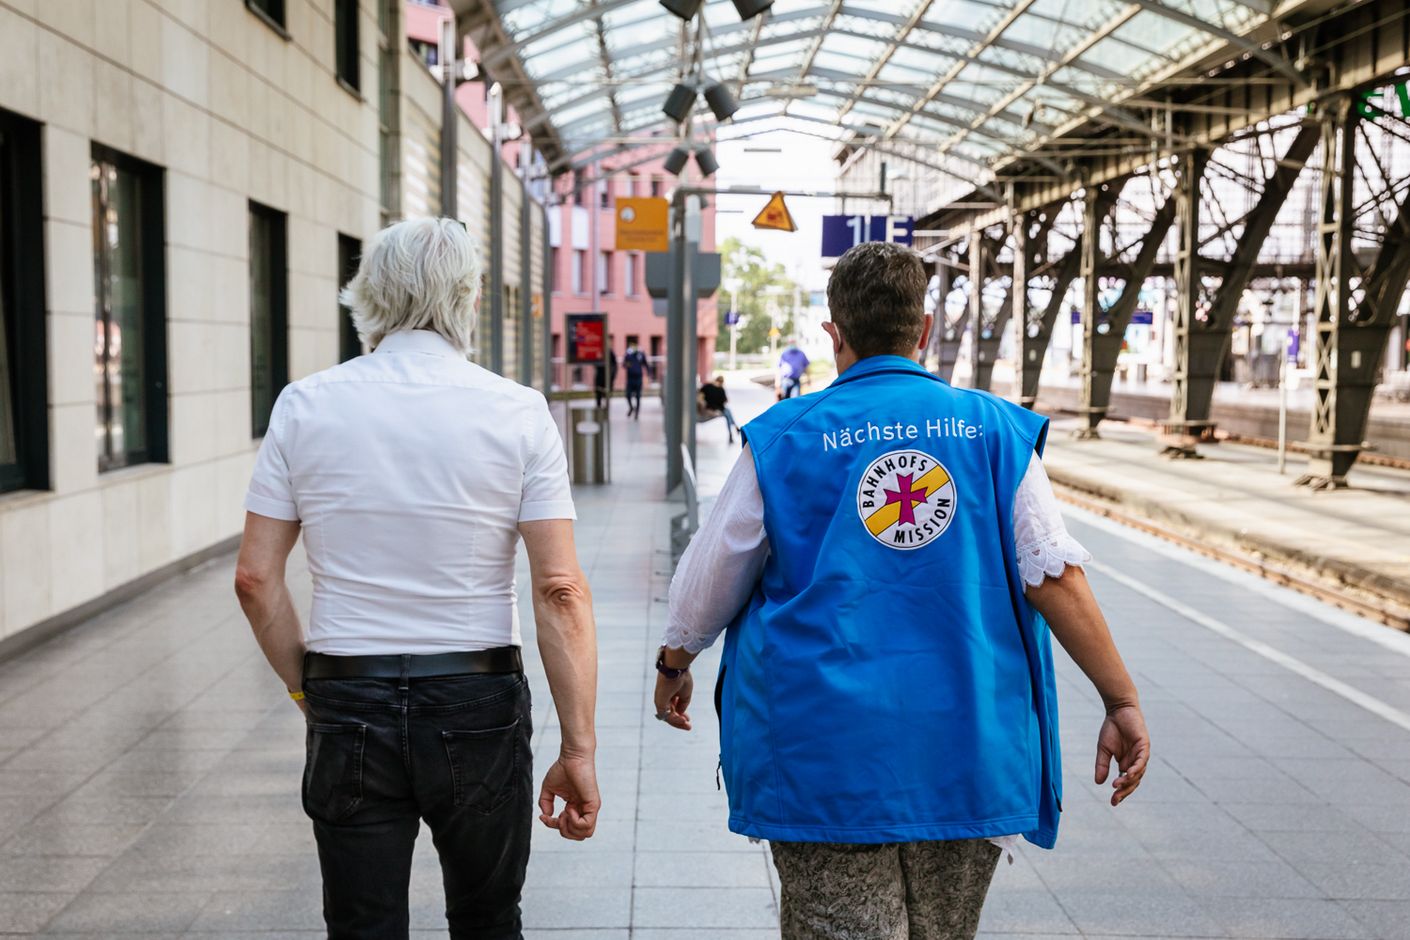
(150, 763)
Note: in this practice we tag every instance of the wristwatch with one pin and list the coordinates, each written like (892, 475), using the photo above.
(665, 670)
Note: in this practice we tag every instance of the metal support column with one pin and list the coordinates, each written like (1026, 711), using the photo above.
(527, 326)
(493, 345)
(979, 257)
(1038, 330)
(1207, 341)
(1103, 345)
(948, 330)
(450, 114)
(1181, 442)
(546, 304)
(1353, 320)
(1089, 260)
(1025, 246)
(676, 345)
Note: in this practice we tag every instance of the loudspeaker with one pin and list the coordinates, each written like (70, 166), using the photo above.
(675, 161)
(706, 161)
(721, 102)
(685, 9)
(680, 102)
(748, 9)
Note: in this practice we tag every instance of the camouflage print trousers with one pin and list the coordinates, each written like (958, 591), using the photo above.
(897, 891)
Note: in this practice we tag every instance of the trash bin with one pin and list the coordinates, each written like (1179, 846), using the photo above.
(587, 433)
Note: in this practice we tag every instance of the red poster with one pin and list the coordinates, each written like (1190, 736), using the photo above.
(587, 338)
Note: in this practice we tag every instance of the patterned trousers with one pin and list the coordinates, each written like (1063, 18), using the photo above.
(896, 891)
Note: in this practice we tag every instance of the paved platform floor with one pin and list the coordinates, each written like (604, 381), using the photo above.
(149, 767)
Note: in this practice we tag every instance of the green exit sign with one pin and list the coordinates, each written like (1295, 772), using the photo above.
(1368, 105)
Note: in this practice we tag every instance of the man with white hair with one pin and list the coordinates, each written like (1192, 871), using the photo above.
(412, 474)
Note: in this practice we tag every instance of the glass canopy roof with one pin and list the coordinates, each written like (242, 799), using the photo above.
(964, 82)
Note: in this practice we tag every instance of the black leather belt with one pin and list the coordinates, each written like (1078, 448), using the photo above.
(413, 666)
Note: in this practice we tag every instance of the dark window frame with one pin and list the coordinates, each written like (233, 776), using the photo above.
(22, 283)
(272, 13)
(347, 35)
(151, 235)
(278, 311)
(349, 254)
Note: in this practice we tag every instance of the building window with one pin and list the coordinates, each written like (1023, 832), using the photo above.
(345, 39)
(428, 52)
(349, 254)
(579, 263)
(271, 11)
(553, 270)
(629, 275)
(24, 458)
(655, 349)
(604, 196)
(656, 186)
(604, 272)
(269, 313)
(129, 339)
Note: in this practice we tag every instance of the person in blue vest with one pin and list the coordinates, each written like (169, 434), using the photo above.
(887, 563)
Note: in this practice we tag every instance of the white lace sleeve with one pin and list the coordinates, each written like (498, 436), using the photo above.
(1045, 547)
(722, 564)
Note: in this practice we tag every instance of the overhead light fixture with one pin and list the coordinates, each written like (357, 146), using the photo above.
(706, 161)
(685, 9)
(748, 9)
(676, 160)
(680, 102)
(721, 102)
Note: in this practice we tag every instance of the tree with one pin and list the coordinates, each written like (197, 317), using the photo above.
(761, 283)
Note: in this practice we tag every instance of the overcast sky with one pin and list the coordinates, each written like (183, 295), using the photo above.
(804, 163)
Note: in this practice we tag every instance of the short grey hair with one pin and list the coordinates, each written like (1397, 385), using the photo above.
(876, 296)
(421, 274)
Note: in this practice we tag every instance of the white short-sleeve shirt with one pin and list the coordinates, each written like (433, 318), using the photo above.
(409, 470)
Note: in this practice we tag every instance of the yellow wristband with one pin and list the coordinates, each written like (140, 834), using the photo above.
(297, 696)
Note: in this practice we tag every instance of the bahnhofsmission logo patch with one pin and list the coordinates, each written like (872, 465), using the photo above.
(906, 499)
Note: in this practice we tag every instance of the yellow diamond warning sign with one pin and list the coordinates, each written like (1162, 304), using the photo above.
(775, 215)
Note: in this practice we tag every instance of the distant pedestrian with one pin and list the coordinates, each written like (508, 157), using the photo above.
(636, 365)
(714, 403)
(412, 475)
(604, 379)
(792, 366)
(888, 559)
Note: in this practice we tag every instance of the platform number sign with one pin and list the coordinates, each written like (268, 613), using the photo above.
(841, 232)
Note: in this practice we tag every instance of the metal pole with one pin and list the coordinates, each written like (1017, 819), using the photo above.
(546, 304)
(675, 344)
(450, 115)
(1283, 404)
(733, 328)
(495, 353)
(525, 345)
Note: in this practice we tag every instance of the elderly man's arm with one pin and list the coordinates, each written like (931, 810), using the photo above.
(264, 594)
(567, 639)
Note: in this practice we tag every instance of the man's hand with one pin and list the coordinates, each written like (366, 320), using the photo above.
(673, 698)
(1123, 737)
(574, 780)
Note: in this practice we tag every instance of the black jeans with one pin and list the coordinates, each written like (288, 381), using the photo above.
(383, 754)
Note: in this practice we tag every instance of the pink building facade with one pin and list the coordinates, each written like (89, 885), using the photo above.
(620, 275)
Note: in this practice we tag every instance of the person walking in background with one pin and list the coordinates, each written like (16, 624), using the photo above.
(888, 561)
(636, 365)
(714, 402)
(413, 474)
(604, 379)
(792, 366)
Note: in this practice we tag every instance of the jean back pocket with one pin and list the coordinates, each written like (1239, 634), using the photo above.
(483, 766)
(332, 786)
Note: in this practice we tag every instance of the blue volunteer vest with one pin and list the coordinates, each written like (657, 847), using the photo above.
(888, 682)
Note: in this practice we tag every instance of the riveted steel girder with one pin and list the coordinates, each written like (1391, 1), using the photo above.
(1104, 329)
(1037, 329)
(947, 331)
(1354, 312)
(1205, 341)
